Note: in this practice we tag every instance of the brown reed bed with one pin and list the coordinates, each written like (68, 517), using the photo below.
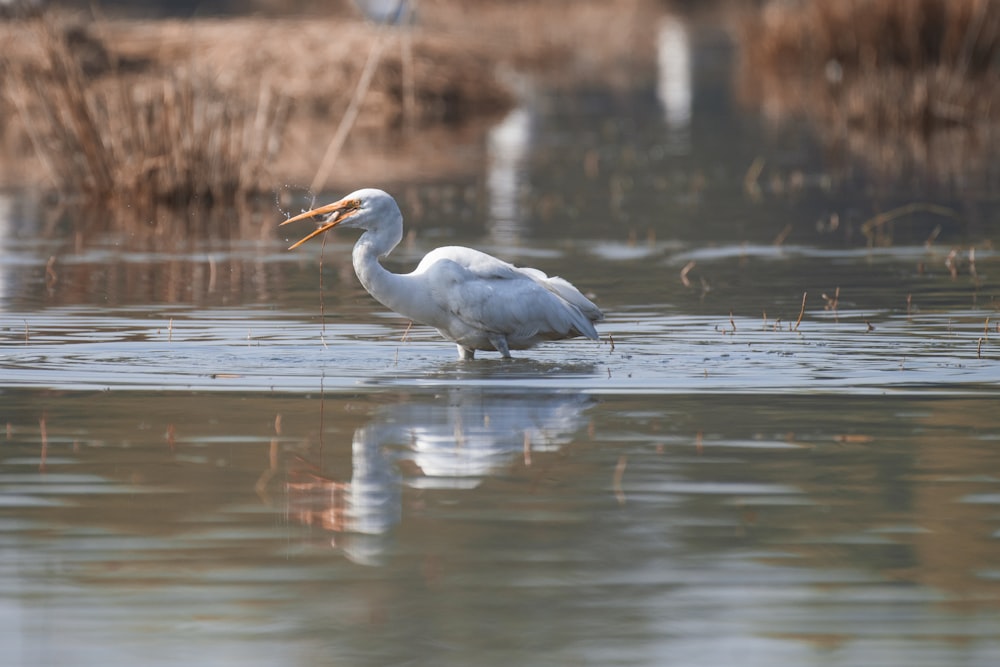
(213, 111)
(217, 110)
(113, 136)
(899, 82)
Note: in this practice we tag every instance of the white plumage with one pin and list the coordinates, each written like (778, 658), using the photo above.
(471, 298)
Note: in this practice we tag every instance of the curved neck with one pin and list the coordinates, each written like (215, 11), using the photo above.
(390, 289)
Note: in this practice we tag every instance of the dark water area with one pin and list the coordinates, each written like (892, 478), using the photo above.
(205, 457)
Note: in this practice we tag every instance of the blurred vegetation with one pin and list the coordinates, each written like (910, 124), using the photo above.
(217, 110)
(900, 82)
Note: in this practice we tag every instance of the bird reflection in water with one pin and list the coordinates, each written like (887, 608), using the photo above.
(454, 441)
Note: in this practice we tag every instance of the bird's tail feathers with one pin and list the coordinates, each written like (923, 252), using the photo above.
(583, 325)
(581, 312)
(571, 295)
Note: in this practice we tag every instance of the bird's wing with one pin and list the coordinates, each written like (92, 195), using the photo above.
(492, 295)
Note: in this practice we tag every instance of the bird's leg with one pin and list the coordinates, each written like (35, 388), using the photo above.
(466, 353)
(500, 343)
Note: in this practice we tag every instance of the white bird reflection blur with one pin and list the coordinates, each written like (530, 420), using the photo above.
(508, 145)
(674, 82)
(453, 441)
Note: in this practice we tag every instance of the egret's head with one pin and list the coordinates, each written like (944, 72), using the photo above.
(362, 209)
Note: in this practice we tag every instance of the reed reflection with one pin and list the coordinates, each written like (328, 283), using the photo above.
(123, 257)
(449, 441)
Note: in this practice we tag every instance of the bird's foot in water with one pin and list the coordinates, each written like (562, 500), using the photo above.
(500, 344)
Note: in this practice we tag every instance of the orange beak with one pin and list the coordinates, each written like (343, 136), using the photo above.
(335, 214)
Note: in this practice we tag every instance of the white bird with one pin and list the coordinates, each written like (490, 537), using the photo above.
(471, 298)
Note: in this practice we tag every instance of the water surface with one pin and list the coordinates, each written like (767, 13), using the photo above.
(783, 451)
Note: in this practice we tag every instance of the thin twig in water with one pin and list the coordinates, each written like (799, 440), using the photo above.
(45, 443)
(751, 180)
(322, 414)
(322, 303)
(950, 263)
(831, 303)
(684, 273)
(867, 228)
(51, 277)
(979, 348)
(731, 322)
(934, 235)
(409, 325)
(780, 238)
(611, 339)
(617, 482)
(801, 312)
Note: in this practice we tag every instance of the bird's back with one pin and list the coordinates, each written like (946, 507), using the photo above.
(483, 297)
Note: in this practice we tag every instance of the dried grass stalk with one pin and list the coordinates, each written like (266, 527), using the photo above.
(172, 137)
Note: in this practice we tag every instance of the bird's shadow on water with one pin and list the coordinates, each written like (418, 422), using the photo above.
(518, 367)
(493, 371)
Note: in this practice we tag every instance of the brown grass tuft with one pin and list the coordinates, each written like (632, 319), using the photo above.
(174, 137)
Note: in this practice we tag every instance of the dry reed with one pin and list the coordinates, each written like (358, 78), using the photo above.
(215, 110)
(177, 110)
(172, 138)
(896, 81)
(802, 312)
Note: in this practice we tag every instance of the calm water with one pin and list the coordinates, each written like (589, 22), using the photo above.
(197, 467)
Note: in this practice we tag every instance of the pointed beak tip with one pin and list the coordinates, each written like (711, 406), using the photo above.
(313, 234)
(338, 212)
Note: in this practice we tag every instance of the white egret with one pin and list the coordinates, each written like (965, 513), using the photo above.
(471, 298)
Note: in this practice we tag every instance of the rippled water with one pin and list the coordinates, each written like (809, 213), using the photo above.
(206, 460)
(474, 523)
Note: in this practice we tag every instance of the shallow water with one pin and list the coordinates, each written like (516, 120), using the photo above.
(208, 459)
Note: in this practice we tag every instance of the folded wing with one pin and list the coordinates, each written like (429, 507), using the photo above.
(522, 304)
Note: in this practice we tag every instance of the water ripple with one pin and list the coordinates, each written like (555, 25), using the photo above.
(641, 352)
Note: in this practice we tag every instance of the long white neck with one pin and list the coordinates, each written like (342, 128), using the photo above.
(391, 290)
